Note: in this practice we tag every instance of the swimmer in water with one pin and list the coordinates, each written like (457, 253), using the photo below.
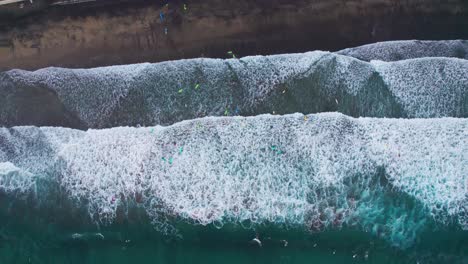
(256, 240)
(285, 242)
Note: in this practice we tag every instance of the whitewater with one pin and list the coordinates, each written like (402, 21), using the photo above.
(363, 152)
(317, 171)
(169, 92)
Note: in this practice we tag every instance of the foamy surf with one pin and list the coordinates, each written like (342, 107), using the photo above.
(169, 92)
(394, 178)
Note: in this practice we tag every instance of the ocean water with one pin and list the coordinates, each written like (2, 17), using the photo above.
(295, 158)
(324, 183)
(169, 92)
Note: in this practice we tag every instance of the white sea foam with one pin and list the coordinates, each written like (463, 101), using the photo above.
(438, 83)
(165, 93)
(324, 172)
(409, 49)
(14, 179)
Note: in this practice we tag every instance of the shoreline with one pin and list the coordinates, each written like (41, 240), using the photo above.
(102, 35)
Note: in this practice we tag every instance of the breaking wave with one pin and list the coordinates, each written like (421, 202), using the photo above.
(169, 92)
(409, 49)
(393, 178)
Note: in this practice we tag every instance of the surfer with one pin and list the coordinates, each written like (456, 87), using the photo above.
(257, 241)
(285, 242)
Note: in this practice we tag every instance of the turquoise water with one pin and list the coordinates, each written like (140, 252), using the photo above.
(56, 232)
(217, 246)
(337, 189)
(330, 187)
